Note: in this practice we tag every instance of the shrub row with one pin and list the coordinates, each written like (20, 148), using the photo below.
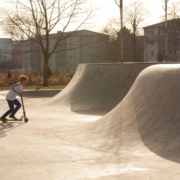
(61, 79)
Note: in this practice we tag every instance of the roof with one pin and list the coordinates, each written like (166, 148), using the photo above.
(162, 24)
(80, 32)
(71, 34)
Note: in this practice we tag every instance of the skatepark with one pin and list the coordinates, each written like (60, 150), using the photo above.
(112, 122)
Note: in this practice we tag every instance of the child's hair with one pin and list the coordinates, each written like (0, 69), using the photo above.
(23, 78)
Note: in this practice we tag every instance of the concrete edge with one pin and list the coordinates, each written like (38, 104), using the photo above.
(35, 93)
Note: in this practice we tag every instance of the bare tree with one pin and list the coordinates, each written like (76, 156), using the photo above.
(111, 28)
(111, 49)
(135, 14)
(173, 11)
(36, 19)
(119, 3)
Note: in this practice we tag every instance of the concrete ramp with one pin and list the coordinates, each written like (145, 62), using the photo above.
(147, 120)
(98, 87)
(46, 93)
(3, 94)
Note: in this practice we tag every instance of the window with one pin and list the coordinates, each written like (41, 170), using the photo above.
(71, 47)
(71, 58)
(175, 52)
(152, 32)
(175, 41)
(170, 31)
(152, 53)
(170, 52)
(159, 31)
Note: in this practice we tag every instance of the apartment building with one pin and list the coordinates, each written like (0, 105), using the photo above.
(74, 48)
(16, 54)
(155, 41)
(5, 53)
(26, 53)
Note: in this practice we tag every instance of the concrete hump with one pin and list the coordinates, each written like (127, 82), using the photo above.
(3, 94)
(46, 93)
(147, 119)
(98, 87)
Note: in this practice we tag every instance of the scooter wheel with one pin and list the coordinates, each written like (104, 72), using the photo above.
(26, 120)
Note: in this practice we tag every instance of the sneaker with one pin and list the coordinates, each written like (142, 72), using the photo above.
(13, 117)
(4, 120)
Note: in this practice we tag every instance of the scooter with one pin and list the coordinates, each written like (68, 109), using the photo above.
(23, 116)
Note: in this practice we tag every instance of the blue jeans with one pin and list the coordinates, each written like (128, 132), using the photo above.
(12, 111)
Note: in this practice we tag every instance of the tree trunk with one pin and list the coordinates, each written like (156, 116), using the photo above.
(134, 47)
(121, 19)
(45, 80)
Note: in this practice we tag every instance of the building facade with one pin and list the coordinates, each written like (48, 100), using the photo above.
(74, 48)
(16, 53)
(5, 53)
(155, 42)
(26, 54)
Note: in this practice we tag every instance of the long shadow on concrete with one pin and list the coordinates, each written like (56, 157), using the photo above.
(6, 127)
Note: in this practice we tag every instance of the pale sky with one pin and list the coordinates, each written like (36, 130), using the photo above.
(109, 9)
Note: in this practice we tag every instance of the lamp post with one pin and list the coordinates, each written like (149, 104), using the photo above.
(165, 6)
(166, 30)
(119, 3)
(122, 46)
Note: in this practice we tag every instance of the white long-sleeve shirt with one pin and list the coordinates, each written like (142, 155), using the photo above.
(15, 89)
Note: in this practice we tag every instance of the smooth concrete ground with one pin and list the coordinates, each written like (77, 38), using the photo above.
(137, 140)
(36, 151)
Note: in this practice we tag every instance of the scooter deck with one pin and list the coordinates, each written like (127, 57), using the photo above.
(13, 120)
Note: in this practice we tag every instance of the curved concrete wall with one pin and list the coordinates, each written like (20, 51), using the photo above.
(98, 87)
(146, 120)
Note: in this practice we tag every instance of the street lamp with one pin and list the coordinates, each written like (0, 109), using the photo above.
(165, 7)
(120, 5)
(121, 13)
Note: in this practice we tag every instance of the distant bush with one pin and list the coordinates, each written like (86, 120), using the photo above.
(160, 57)
(61, 79)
